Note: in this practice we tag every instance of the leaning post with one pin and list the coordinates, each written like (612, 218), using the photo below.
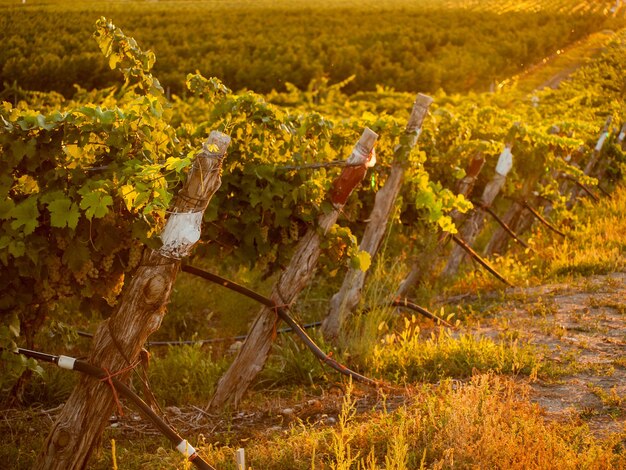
(346, 300)
(418, 271)
(593, 161)
(254, 352)
(141, 308)
(475, 223)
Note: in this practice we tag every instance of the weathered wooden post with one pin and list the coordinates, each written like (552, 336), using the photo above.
(418, 272)
(344, 301)
(597, 151)
(253, 354)
(514, 218)
(119, 339)
(593, 160)
(604, 164)
(475, 223)
(466, 186)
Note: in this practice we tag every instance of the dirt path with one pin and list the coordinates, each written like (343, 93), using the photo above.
(552, 70)
(581, 328)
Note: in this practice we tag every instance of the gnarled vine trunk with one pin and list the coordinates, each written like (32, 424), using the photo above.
(118, 340)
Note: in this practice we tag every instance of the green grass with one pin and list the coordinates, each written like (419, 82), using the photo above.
(186, 374)
(407, 357)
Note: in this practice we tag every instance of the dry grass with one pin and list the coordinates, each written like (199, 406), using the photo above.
(485, 423)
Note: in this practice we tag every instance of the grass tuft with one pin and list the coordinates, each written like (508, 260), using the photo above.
(407, 357)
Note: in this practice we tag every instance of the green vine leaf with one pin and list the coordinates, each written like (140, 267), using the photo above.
(95, 203)
(26, 214)
(362, 261)
(63, 213)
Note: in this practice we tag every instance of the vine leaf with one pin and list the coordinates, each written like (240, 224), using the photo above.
(63, 213)
(26, 214)
(129, 196)
(362, 260)
(95, 202)
(177, 164)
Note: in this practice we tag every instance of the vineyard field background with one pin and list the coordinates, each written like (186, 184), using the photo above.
(262, 46)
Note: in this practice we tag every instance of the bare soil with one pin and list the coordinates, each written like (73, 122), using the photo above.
(581, 327)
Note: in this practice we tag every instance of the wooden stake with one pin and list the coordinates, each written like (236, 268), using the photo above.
(515, 218)
(118, 341)
(468, 249)
(541, 219)
(240, 457)
(475, 223)
(506, 228)
(418, 272)
(344, 301)
(253, 354)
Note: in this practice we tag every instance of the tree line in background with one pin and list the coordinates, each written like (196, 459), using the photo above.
(404, 45)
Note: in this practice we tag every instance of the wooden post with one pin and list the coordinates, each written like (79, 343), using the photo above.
(253, 354)
(475, 223)
(344, 301)
(597, 151)
(515, 218)
(119, 339)
(466, 185)
(603, 164)
(593, 161)
(417, 273)
(594, 165)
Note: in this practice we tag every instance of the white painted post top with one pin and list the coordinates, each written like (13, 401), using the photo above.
(216, 139)
(601, 141)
